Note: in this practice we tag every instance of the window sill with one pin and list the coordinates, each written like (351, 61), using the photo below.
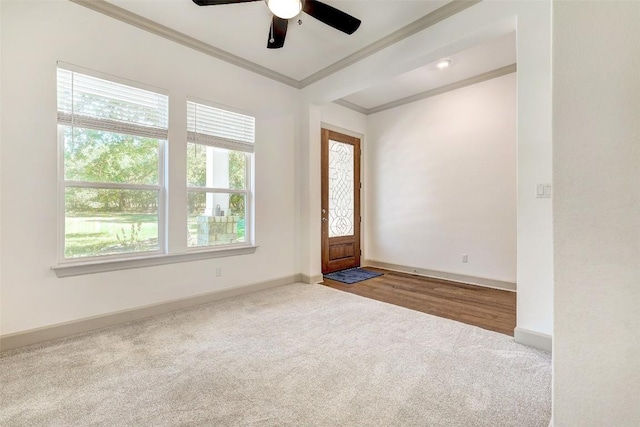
(77, 269)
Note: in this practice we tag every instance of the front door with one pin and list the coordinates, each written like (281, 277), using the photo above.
(340, 201)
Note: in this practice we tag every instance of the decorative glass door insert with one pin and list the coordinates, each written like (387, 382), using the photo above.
(341, 203)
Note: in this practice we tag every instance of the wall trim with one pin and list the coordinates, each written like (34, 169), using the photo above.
(305, 278)
(342, 130)
(489, 75)
(73, 327)
(498, 72)
(153, 27)
(414, 27)
(351, 106)
(454, 277)
(101, 266)
(533, 339)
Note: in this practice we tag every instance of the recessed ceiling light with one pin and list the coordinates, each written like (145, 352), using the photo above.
(443, 64)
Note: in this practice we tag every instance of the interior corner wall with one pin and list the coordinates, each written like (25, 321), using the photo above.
(440, 182)
(37, 34)
(308, 172)
(596, 138)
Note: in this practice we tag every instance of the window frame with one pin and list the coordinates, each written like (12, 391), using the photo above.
(248, 209)
(248, 191)
(63, 184)
(171, 248)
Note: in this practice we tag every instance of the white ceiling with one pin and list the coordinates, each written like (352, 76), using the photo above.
(242, 29)
(314, 50)
(491, 55)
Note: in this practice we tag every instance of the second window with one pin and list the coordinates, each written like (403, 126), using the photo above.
(219, 158)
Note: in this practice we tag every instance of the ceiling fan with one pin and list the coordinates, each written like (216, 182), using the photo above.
(283, 10)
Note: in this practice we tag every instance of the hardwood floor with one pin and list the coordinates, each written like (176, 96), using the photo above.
(487, 308)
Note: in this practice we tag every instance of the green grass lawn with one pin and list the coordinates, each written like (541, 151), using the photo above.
(113, 233)
(93, 234)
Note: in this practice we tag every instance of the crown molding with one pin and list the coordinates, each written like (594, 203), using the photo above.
(416, 26)
(153, 27)
(125, 16)
(351, 106)
(498, 72)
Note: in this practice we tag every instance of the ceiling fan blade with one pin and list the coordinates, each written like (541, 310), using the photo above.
(331, 16)
(217, 2)
(277, 33)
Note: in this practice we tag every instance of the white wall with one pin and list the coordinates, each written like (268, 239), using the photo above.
(308, 179)
(535, 225)
(441, 182)
(1, 67)
(37, 34)
(345, 120)
(596, 135)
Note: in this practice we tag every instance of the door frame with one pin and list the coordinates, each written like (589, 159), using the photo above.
(348, 262)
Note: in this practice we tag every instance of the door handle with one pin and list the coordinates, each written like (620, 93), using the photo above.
(324, 219)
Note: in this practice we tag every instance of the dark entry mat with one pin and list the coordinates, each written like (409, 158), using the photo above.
(352, 275)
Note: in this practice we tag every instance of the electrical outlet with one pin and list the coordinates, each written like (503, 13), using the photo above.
(465, 258)
(218, 271)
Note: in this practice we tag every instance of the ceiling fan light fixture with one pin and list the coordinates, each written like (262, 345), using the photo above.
(285, 9)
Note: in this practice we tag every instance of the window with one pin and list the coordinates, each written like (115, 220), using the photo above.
(112, 148)
(113, 188)
(219, 157)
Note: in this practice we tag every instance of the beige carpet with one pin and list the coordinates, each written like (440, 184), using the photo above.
(298, 355)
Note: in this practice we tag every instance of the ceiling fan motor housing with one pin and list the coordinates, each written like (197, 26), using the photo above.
(283, 10)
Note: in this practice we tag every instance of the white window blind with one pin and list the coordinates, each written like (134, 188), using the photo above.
(90, 102)
(220, 128)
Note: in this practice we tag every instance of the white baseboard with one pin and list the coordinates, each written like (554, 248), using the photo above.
(533, 339)
(66, 329)
(305, 278)
(454, 277)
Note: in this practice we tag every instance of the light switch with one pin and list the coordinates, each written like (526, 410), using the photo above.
(543, 191)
